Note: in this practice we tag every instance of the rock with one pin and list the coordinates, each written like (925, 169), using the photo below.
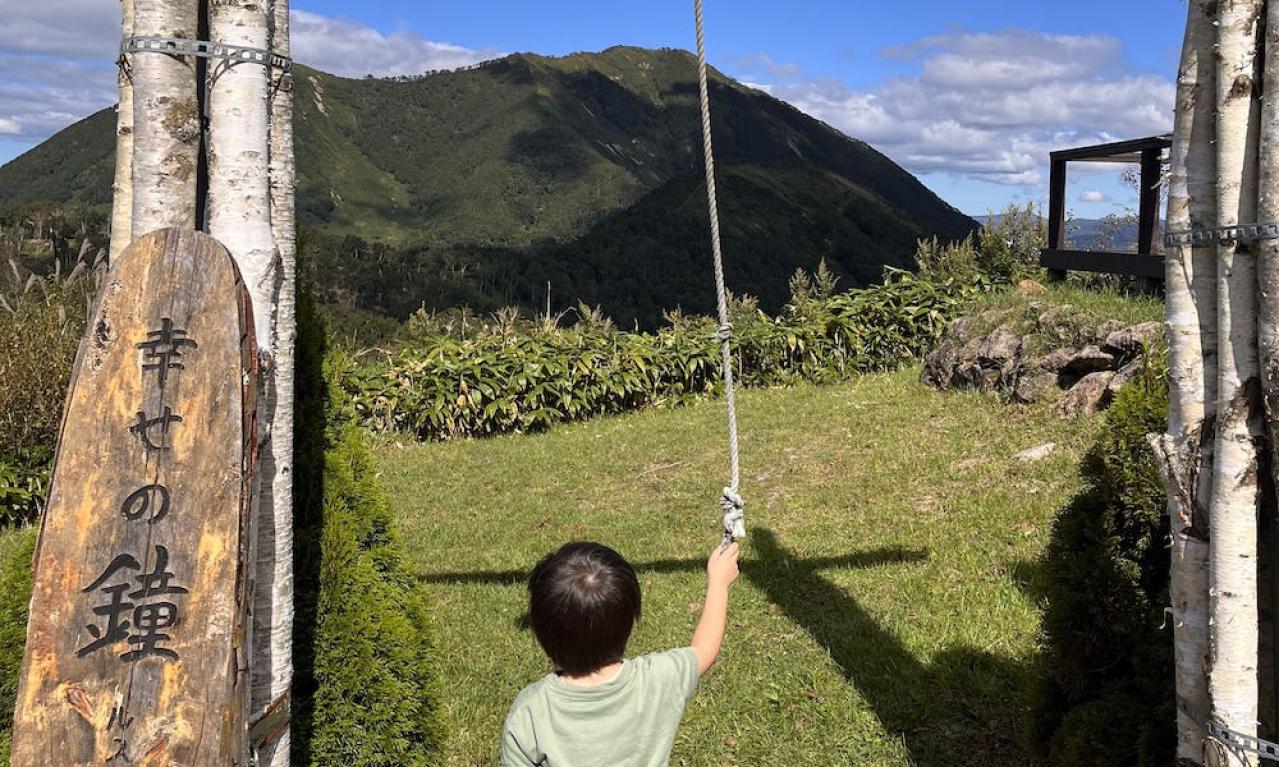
(1036, 386)
(1130, 341)
(960, 328)
(1109, 326)
(1037, 453)
(1000, 347)
(999, 357)
(1087, 396)
(1124, 375)
(968, 373)
(939, 365)
(1030, 288)
(1089, 359)
(1056, 360)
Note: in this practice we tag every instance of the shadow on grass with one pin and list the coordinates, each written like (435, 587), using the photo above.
(965, 708)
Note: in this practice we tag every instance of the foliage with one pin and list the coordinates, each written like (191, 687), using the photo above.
(936, 260)
(364, 685)
(41, 321)
(1105, 695)
(1009, 243)
(514, 376)
(15, 594)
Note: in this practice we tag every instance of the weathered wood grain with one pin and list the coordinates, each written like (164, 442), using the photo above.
(90, 697)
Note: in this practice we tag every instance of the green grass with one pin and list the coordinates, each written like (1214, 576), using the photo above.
(886, 613)
(1097, 304)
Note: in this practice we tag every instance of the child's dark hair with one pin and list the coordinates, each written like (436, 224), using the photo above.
(583, 602)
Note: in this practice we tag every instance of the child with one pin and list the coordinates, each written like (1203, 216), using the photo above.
(598, 710)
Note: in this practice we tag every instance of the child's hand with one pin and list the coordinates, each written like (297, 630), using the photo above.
(721, 568)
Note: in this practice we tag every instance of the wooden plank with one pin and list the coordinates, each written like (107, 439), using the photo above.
(136, 642)
(1099, 152)
(1106, 262)
(1057, 204)
(1148, 205)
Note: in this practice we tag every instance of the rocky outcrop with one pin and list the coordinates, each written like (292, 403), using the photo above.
(1087, 366)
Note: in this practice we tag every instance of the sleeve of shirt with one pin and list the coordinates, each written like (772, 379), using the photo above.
(681, 667)
(513, 754)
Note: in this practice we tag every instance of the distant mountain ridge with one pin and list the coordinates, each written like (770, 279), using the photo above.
(480, 186)
(1090, 233)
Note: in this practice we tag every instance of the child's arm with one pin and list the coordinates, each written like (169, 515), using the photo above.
(721, 571)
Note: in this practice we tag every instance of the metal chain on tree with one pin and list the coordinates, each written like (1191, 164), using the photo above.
(731, 501)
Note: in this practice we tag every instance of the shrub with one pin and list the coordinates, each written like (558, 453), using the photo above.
(1009, 244)
(515, 377)
(936, 260)
(1105, 694)
(15, 594)
(41, 320)
(364, 692)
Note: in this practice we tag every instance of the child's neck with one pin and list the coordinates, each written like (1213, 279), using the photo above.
(597, 677)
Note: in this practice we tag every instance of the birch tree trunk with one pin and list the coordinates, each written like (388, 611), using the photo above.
(1191, 306)
(273, 677)
(166, 113)
(239, 213)
(1233, 512)
(1268, 324)
(122, 187)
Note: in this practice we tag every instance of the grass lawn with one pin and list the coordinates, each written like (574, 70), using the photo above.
(885, 615)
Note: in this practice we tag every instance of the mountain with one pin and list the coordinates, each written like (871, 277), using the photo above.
(480, 186)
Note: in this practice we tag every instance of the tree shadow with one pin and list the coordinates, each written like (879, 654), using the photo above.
(966, 707)
(311, 411)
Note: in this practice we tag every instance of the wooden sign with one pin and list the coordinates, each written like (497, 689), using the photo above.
(136, 642)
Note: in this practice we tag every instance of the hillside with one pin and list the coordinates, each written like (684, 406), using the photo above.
(479, 186)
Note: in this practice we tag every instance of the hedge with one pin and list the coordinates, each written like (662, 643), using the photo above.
(15, 595)
(1105, 688)
(364, 691)
(516, 380)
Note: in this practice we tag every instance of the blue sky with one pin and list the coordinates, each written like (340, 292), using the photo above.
(970, 96)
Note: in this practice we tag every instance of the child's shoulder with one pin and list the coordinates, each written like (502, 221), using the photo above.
(677, 656)
(680, 663)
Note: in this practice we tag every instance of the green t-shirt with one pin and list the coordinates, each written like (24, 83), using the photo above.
(629, 721)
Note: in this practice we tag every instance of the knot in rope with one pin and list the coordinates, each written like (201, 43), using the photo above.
(734, 515)
(724, 333)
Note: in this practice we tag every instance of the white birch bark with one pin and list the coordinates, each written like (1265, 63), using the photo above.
(273, 676)
(1191, 306)
(1268, 292)
(1233, 512)
(166, 117)
(239, 214)
(122, 187)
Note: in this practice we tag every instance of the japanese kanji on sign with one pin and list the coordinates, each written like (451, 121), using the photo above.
(136, 645)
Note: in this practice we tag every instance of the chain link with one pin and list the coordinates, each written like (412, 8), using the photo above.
(1231, 738)
(1210, 236)
(181, 46)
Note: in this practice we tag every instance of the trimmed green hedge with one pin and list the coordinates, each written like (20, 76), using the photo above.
(15, 595)
(364, 691)
(512, 379)
(1105, 693)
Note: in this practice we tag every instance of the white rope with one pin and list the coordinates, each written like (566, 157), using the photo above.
(731, 501)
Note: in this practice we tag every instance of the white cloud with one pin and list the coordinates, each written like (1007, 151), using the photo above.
(1092, 195)
(57, 59)
(352, 49)
(990, 106)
